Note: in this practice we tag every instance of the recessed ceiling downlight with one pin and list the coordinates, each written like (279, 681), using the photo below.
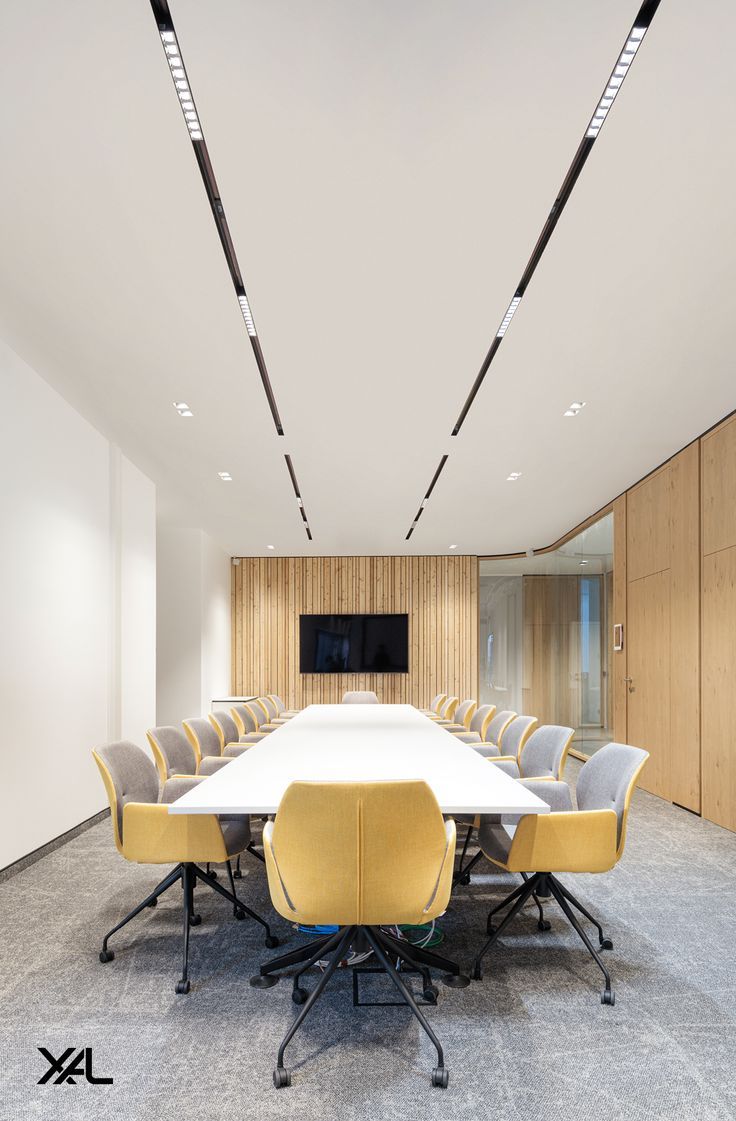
(182, 408)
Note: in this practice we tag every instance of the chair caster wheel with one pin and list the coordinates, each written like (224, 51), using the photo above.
(152, 903)
(183, 987)
(608, 996)
(477, 972)
(264, 981)
(299, 996)
(490, 928)
(271, 942)
(440, 1077)
(195, 920)
(455, 981)
(430, 994)
(107, 955)
(606, 944)
(464, 879)
(239, 914)
(212, 872)
(544, 924)
(281, 1077)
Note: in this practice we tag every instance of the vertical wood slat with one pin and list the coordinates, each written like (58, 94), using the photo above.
(439, 594)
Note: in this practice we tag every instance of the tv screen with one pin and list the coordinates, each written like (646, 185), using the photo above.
(354, 644)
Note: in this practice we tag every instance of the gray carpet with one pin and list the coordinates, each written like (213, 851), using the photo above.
(530, 1041)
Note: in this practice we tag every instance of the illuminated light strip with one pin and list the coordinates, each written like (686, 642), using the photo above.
(633, 42)
(181, 83)
(620, 71)
(508, 317)
(245, 308)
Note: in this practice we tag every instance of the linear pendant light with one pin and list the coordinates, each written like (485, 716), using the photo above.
(424, 501)
(297, 492)
(631, 46)
(183, 88)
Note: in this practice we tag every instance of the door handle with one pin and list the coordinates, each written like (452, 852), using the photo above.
(630, 682)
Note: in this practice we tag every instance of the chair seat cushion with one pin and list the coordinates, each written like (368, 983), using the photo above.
(211, 764)
(488, 750)
(235, 750)
(467, 737)
(509, 767)
(236, 831)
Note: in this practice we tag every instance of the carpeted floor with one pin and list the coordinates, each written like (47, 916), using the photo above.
(531, 1040)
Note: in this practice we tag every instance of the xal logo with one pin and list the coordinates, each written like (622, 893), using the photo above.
(74, 1068)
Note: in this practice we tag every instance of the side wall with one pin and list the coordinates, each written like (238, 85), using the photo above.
(440, 595)
(77, 587)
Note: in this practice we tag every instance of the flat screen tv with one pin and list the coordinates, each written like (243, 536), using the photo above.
(354, 644)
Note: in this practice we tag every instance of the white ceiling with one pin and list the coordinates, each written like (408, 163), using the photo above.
(386, 169)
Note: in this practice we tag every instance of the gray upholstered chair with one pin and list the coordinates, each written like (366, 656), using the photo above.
(203, 737)
(265, 712)
(146, 833)
(282, 712)
(463, 716)
(589, 839)
(514, 738)
(227, 733)
(541, 753)
(174, 755)
(494, 733)
(247, 724)
(356, 697)
(447, 710)
(435, 706)
(478, 729)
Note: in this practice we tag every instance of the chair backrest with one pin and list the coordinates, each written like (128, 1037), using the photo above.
(438, 701)
(202, 736)
(225, 726)
(517, 733)
(481, 719)
(172, 751)
(244, 719)
(357, 852)
(280, 706)
(269, 708)
(607, 780)
(359, 698)
(449, 708)
(545, 752)
(464, 713)
(498, 725)
(129, 776)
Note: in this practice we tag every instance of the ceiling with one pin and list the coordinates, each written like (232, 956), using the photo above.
(386, 169)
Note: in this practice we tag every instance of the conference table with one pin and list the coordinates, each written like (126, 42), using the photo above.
(359, 743)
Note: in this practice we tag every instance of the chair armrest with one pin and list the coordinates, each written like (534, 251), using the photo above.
(467, 737)
(151, 835)
(577, 841)
(557, 795)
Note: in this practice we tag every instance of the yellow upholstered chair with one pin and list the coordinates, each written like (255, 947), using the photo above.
(247, 724)
(173, 754)
(478, 727)
(282, 712)
(363, 856)
(266, 714)
(590, 838)
(146, 833)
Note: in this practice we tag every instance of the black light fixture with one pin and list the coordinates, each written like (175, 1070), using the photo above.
(183, 88)
(424, 501)
(297, 492)
(631, 46)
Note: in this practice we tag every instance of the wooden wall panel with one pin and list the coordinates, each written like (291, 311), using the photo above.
(618, 657)
(440, 595)
(718, 742)
(648, 526)
(551, 649)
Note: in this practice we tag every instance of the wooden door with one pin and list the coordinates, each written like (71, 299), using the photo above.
(648, 717)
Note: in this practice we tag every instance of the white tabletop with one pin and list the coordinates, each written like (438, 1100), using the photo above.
(360, 743)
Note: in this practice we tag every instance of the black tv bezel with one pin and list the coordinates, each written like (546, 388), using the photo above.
(355, 615)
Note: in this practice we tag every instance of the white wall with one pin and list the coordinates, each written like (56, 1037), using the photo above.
(193, 624)
(77, 588)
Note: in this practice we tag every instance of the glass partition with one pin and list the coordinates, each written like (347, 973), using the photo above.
(545, 635)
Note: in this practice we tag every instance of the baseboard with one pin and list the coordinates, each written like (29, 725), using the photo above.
(39, 853)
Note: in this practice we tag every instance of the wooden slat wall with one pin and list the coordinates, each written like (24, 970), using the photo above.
(440, 595)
